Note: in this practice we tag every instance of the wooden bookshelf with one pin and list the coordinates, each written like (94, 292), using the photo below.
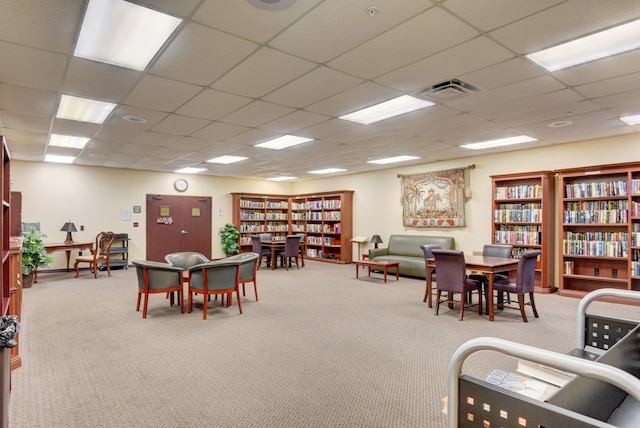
(523, 212)
(5, 353)
(325, 219)
(599, 228)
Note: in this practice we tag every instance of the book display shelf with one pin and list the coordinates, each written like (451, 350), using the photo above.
(600, 227)
(523, 209)
(324, 218)
(5, 285)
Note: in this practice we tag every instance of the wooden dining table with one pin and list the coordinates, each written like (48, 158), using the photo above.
(278, 244)
(488, 266)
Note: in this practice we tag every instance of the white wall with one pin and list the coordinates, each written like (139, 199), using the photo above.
(94, 197)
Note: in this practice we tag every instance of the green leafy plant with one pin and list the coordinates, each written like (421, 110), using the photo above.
(229, 235)
(34, 254)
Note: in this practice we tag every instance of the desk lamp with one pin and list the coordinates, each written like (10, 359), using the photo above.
(375, 239)
(69, 227)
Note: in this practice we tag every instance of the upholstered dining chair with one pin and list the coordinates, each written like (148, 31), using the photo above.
(186, 259)
(452, 278)
(494, 250)
(157, 277)
(248, 270)
(291, 250)
(217, 277)
(99, 254)
(524, 284)
(256, 247)
(426, 249)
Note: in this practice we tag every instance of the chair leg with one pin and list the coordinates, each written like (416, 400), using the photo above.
(463, 302)
(138, 303)
(533, 304)
(255, 288)
(190, 302)
(480, 300)
(204, 306)
(243, 291)
(95, 273)
(145, 305)
(521, 304)
(438, 293)
(181, 297)
(239, 301)
(297, 267)
(75, 266)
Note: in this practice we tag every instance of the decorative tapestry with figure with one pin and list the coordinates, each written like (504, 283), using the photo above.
(434, 199)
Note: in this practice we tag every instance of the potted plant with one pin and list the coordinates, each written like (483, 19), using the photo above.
(34, 255)
(229, 235)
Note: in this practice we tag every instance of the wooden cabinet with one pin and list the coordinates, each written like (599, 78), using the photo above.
(523, 211)
(5, 278)
(599, 228)
(15, 293)
(325, 219)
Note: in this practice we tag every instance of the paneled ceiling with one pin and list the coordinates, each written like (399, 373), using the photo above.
(234, 75)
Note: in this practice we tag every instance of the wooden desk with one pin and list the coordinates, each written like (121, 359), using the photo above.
(488, 266)
(61, 246)
(277, 245)
(384, 265)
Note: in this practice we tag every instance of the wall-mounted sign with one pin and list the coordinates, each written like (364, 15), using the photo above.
(164, 220)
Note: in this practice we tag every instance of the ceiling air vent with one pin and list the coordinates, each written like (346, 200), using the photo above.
(447, 90)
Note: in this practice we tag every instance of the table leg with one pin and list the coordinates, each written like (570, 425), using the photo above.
(385, 273)
(369, 270)
(489, 295)
(273, 258)
(68, 258)
(356, 271)
(398, 273)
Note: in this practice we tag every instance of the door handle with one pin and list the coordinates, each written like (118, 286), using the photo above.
(184, 232)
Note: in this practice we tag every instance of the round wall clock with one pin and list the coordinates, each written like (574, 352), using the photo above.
(181, 185)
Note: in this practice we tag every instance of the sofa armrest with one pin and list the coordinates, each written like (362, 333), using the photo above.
(375, 252)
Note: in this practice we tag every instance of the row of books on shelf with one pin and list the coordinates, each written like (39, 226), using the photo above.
(324, 228)
(635, 239)
(524, 215)
(252, 215)
(635, 186)
(618, 204)
(516, 238)
(323, 215)
(595, 248)
(596, 236)
(519, 192)
(596, 217)
(635, 209)
(596, 189)
(324, 241)
(277, 216)
(331, 204)
(635, 268)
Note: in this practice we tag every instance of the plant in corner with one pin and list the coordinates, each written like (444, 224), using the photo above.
(34, 255)
(229, 235)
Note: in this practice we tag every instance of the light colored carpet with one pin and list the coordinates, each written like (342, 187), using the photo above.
(320, 349)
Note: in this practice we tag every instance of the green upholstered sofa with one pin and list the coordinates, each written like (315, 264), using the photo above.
(406, 250)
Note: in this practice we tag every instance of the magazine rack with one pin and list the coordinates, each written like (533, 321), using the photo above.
(605, 392)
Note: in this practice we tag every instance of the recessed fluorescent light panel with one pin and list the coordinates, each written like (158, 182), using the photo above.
(189, 170)
(282, 178)
(227, 159)
(83, 109)
(394, 159)
(59, 159)
(283, 142)
(68, 141)
(498, 143)
(122, 33)
(599, 45)
(631, 120)
(327, 171)
(387, 109)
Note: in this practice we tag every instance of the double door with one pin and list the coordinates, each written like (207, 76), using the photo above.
(178, 223)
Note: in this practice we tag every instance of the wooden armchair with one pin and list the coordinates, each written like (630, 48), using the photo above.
(99, 254)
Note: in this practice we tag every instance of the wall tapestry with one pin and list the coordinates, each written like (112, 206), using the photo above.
(434, 199)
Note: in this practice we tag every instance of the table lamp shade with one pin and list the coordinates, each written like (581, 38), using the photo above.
(375, 239)
(69, 227)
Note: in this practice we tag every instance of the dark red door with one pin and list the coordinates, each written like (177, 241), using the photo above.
(178, 223)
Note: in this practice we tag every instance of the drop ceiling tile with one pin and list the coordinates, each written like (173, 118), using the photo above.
(314, 86)
(156, 139)
(504, 73)
(29, 67)
(213, 105)
(601, 70)
(214, 51)
(180, 125)
(191, 144)
(294, 121)
(470, 56)
(27, 100)
(276, 69)
(219, 131)
(17, 120)
(256, 114)
(358, 97)
(71, 127)
(156, 93)
(99, 81)
(399, 47)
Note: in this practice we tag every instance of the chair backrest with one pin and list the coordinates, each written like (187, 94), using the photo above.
(217, 275)
(427, 248)
(248, 264)
(497, 250)
(452, 273)
(186, 259)
(291, 246)
(103, 244)
(255, 244)
(157, 275)
(527, 272)
(265, 236)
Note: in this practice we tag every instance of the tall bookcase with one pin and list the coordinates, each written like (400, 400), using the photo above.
(523, 212)
(5, 285)
(325, 219)
(600, 226)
